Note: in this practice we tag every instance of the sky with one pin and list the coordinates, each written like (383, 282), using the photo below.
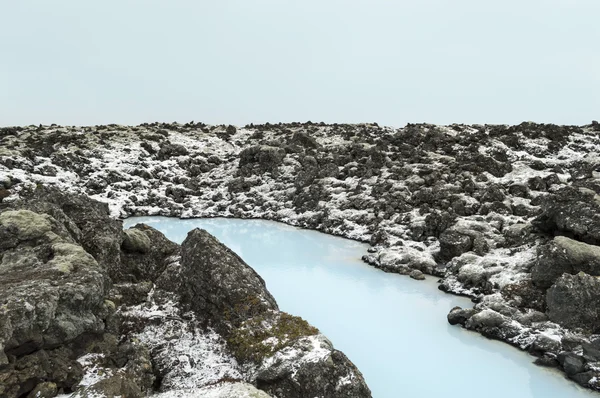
(253, 61)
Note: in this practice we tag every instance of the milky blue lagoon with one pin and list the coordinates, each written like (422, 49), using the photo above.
(392, 327)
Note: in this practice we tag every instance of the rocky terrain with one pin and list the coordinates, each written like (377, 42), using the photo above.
(89, 310)
(507, 215)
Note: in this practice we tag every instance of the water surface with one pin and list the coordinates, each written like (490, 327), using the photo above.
(392, 327)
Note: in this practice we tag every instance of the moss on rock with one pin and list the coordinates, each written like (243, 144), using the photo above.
(265, 334)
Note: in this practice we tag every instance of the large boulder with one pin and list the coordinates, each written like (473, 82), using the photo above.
(216, 283)
(51, 292)
(574, 302)
(87, 221)
(564, 255)
(291, 357)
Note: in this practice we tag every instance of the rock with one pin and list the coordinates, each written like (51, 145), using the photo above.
(51, 289)
(28, 373)
(146, 254)
(171, 150)
(574, 302)
(292, 373)
(453, 243)
(260, 159)
(584, 378)
(135, 241)
(544, 343)
(416, 274)
(591, 350)
(458, 315)
(303, 139)
(116, 386)
(224, 390)
(86, 220)
(44, 390)
(217, 284)
(564, 255)
(486, 318)
(572, 212)
(517, 234)
(571, 363)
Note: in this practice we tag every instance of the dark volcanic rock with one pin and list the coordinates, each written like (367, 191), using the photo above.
(453, 243)
(217, 284)
(260, 159)
(458, 315)
(52, 292)
(87, 221)
(573, 212)
(319, 378)
(574, 302)
(146, 254)
(564, 255)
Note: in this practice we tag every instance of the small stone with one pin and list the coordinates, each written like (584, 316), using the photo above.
(416, 274)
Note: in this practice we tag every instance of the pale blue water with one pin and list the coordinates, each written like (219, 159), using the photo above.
(392, 327)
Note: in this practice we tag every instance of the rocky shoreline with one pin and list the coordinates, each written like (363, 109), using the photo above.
(507, 215)
(89, 310)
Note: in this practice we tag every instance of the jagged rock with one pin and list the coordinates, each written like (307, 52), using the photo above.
(574, 302)
(544, 343)
(87, 221)
(25, 374)
(217, 284)
(116, 386)
(564, 255)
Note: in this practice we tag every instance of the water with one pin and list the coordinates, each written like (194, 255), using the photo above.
(392, 327)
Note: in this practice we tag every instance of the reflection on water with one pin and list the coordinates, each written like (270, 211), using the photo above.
(392, 327)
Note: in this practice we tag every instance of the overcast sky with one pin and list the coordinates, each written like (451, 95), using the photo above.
(241, 61)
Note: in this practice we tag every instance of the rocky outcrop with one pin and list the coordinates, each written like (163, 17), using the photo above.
(572, 211)
(292, 357)
(565, 255)
(574, 302)
(217, 284)
(72, 322)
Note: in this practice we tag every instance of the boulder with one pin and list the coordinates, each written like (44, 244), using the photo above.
(458, 315)
(260, 159)
(311, 367)
(87, 221)
(217, 284)
(571, 211)
(564, 255)
(454, 243)
(571, 363)
(574, 302)
(51, 289)
(146, 253)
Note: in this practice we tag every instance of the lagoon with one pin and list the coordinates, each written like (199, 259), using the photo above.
(392, 327)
